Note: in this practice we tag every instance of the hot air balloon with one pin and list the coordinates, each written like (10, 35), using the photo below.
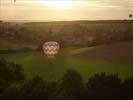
(130, 15)
(51, 48)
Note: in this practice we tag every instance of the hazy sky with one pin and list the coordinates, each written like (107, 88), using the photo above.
(48, 10)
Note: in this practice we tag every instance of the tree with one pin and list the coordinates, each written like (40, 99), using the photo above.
(104, 87)
(127, 89)
(72, 85)
(10, 73)
(34, 89)
(13, 92)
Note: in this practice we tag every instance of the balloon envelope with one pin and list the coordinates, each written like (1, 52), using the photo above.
(130, 16)
(51, 48)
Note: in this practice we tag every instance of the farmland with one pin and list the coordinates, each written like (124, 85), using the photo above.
(87, 46)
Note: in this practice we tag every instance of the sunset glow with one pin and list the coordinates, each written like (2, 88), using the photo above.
(65, 9)
(60, 4)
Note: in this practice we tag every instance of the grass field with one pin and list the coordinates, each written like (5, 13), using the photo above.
(36, 63)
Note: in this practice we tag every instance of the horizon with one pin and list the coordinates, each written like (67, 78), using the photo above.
(28, 21)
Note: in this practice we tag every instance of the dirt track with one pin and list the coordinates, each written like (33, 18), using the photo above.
(117, 53)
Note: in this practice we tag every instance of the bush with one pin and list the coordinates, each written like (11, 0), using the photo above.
(10, 73)
(104, 87)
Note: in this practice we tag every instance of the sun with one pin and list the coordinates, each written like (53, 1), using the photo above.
(60, 3)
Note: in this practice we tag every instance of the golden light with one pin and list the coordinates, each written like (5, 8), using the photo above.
(61, 3)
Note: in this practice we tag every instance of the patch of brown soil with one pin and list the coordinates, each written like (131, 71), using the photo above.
(118, 52)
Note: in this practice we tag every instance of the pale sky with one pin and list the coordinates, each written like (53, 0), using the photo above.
(49, 10)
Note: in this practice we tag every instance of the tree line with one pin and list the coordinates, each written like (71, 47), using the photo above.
(14, 85)
(69, 33)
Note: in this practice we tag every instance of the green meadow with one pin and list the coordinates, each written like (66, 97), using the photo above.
(37, 63)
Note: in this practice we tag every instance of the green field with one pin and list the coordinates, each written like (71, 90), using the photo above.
(36, 63)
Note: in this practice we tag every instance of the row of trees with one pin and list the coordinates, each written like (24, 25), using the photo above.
(15, 86)
(69, 34)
